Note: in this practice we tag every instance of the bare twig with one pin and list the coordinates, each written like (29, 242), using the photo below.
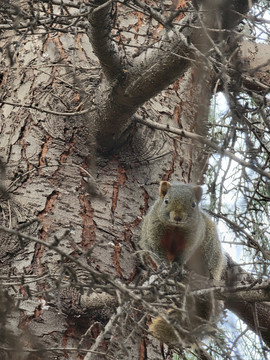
(202, 140)
(47, 110)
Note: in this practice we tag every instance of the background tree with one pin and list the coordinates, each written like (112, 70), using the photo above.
(100, 100)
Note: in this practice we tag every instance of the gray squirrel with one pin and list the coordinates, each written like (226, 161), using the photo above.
(175, 230)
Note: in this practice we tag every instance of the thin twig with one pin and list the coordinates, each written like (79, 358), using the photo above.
(202, 140)
(47, 110)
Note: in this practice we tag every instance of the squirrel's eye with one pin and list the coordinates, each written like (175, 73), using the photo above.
(193, 204)
(166, 201)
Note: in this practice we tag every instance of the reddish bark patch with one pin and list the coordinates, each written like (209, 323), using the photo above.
(176, 113)
(67, 152)
(145, 200)
(126, 235)
(173, 242)
(171, 170)
(117, 252)
(181, 4)
(49, 206)
(132, 275)
(138, 24)
(57, 42)
(80, 47)
(89, 226)
(46, 225)
(119, 182)
(37, 312)
(44, 151)
(142, 350)
(23, 291)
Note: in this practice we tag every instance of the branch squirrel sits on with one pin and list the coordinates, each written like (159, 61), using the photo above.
(176, 230)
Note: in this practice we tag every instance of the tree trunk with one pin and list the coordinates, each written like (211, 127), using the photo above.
(46, 173)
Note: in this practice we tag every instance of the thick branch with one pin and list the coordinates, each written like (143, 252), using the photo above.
(180, 47)
(158, 67)
(247, 312)
(154, 13)
(151, 72)
(99, 33)
(256, 316)
(257, 65)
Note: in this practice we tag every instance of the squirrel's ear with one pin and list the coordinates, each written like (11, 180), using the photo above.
(163, 188)
(198, 193)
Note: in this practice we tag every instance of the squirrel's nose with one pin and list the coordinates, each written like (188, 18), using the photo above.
(178, 218)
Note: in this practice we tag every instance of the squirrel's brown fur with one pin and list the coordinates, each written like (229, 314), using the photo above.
(176, 230)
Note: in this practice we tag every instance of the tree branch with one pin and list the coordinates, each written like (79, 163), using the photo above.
(180, 47)
(153, 13)
(159, 66)
(48, 111)
(202, 140)
(152, 71)
(232, 274)
(104, 47)
(252, 242)
(256, 317)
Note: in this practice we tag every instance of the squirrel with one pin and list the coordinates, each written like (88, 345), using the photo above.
(175, 230)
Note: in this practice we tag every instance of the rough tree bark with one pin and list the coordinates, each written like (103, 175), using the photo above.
(51, 163)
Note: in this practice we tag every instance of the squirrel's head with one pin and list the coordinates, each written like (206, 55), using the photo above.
(179, 203)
